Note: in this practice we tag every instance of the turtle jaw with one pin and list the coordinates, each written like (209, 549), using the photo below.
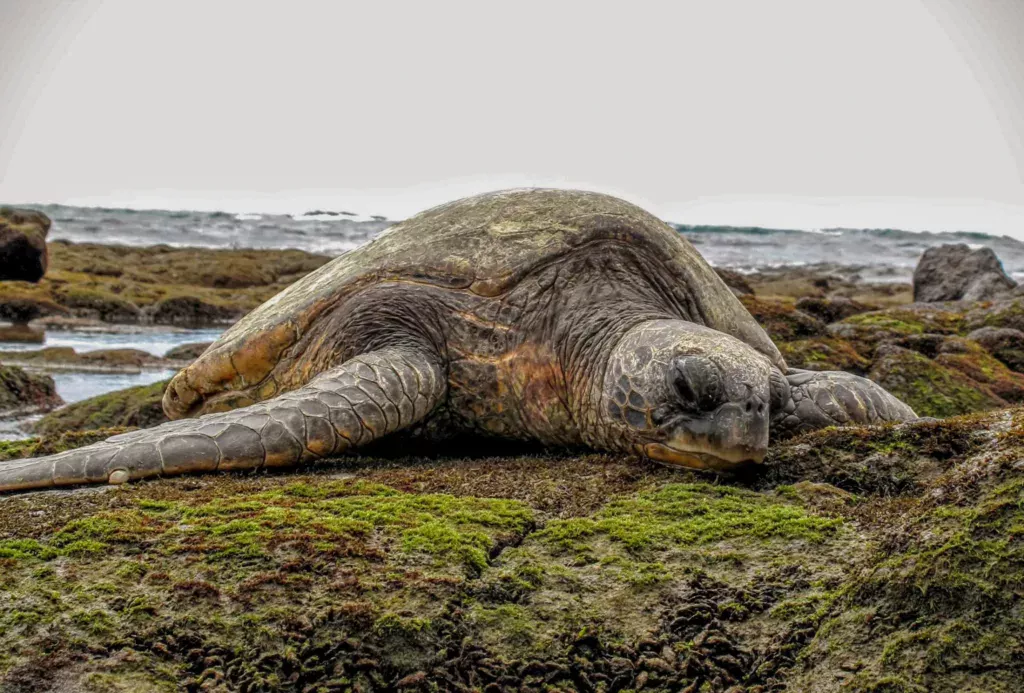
(705, 459)
(733, 435)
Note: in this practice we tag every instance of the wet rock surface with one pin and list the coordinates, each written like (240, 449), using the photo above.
(23, 393)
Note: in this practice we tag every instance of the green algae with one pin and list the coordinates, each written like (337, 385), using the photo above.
(823, 354)
(688, 515)
(949, 589)
(413, 574)
(929, 387)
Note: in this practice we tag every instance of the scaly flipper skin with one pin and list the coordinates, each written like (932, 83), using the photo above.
(367, 397)
(833, 398)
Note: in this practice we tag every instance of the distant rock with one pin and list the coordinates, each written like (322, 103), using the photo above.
(735, 281)
(957, 273)
(325, 213)
(191, 311)
(20, 307)
(23, 244)
(831, 309)
(96, 361)
(187, 352)
(22, 333)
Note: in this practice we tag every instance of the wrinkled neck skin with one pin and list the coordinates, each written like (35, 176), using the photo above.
(683, 395)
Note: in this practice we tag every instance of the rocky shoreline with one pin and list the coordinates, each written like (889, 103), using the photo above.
(944, 359)
(859, 559)
(156, 285)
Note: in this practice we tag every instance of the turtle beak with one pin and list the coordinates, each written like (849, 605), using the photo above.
(733, 435)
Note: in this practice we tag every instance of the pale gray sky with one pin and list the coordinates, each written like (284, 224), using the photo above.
(805, 113)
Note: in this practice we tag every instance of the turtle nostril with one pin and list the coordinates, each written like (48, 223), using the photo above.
(750, 405)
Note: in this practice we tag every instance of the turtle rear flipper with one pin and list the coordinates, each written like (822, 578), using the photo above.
(367, 397)
(810, 400)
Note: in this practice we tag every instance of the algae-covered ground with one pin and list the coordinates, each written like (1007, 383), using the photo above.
(188, 287)
(887, 559)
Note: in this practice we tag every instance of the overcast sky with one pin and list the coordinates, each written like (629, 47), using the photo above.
(805, 113)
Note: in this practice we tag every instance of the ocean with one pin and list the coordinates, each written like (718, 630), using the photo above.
(883, 254)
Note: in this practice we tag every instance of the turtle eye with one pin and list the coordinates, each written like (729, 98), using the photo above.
(698, 382)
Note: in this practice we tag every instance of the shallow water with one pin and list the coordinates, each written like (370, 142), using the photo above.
(156, 342)
(75, 387)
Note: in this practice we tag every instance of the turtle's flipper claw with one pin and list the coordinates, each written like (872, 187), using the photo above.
(817, 399)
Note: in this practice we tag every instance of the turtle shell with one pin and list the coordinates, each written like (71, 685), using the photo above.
(486, 244)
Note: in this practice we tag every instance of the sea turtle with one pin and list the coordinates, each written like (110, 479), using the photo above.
(562, 317)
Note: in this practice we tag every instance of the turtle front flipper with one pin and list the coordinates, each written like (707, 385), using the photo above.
(367, 397)
(807, 400)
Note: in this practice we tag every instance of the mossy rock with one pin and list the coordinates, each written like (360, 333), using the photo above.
(21, 302)
(929, 387)
(1005, 343)
(51, 445)
(823, 354)
(1008, 313)
(866, 331)
(96, 303)
(971, 359)
(831, 309)
(939, 607)
(817, 572)
(199, 267)
(66, 358)
(23, 393)
(181, 286)
(191, 311)
(782, 321)
(137, 407)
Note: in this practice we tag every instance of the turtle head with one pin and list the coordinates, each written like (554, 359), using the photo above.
(689, 396)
